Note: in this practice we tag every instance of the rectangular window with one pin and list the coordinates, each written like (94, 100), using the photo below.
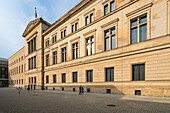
(64, 54)
(54, 79)
(29, 80)
(47, 60)
(109, 74)
(91, 18)
(47, 79)
(139, 29)
(74, 76)
(34, 62)
(34, 44)
(55, 57)
(138, 72)
(64, 33)
(54, 38)
(76, 26)
(63, 78)
(75, 50)
(87, 20)
(110, 39)
(90, 46)
(112, 6)
(72, 28)
(90, 76)
(47, 43)
(35, 81)
(105, 9)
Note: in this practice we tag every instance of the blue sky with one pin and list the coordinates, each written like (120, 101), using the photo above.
(15, 15)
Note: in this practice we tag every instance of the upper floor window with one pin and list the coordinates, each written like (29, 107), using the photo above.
(91, 18)
(90, 46)
(47, 43)
(110, 39)
(47, 60)
(55, 57)
(64, 54)
(32, 45)
(105, 9)
(74, 27)
(139, 29)
(138, 72)
(112, 6)
(54, 38)
(32, 63)
(75, 50)
(90, 76)
(35, 81)
(87, 20)
(63, 33)
(109, 74)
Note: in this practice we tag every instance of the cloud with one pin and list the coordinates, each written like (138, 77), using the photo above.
(16, 14)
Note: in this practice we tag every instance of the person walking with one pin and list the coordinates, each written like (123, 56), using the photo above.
(19, 90)
(80, 90)
(28, 89)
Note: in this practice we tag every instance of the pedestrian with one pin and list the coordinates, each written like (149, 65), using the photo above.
(28, 89)
(80, 90)
(19, 90)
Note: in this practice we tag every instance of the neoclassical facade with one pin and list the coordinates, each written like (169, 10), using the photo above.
(107, 46)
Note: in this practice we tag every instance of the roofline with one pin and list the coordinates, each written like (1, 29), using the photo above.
(16, 52)
(67, 15)
(41, 21)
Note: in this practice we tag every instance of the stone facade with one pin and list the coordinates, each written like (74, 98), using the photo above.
(89, 20)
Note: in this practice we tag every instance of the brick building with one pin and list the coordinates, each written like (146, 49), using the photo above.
(107, 46)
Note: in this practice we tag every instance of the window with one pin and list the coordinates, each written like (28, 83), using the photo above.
(90, 76)
(64, 55)
(47, 79)
(47, 60)
(112, 6)
(105, 9)
(74, 76)
(55, 57)
(76, 26)
(54, 38)
(63, 78)
(72, 28)
(47, 43)
(87, 20)
(22, 81)
(91, 18)
(19, 69)
(54, 79)
(63, 33)
(22, 68)
(109, 74)
(75, 50)
(90, 46)
(139, 29)
(138, 72)
(32, 45)
(35, 80)
(32, 63)
(29, 80)
(32, 79)
(110, 39)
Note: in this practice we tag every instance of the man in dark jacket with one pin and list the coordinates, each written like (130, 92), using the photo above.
(80, 90)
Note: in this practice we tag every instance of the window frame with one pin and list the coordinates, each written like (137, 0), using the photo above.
(54, 57)
(64, 53)
(91, 76)
(139, 64)
(110, 74)
(75, 81)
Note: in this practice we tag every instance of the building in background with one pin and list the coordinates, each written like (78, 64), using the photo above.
(107, 46)
(3, 72)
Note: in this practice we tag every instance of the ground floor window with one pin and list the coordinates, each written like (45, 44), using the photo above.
(109, 74)
(64, 78)
(47, 79)
(74, 76)
(90, 76)
(138, 72)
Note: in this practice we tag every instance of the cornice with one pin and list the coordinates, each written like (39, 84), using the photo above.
(111, 22)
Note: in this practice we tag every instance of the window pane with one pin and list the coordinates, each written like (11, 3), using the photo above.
(142, 72)
(134, 37)
(74, 52)
(88, 40)
(112, 74)
(88, 49)
(91, 18)
(106, 33)
(72, 28)
(91, 76)
(113, 31)
(87, 19)
(143, 32)
(143, 19)
(106, 44)
(134, 23)
(135, 73)
(106, 10)
(112, 6)
(92, 39)
(76, 28)
(113, 42)
(62, 57)
(107, 74)
(92, 51)
(77, 53)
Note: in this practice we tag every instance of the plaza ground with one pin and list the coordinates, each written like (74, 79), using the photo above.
(71, 102)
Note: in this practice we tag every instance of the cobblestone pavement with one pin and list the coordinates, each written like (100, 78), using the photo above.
(70, 102)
